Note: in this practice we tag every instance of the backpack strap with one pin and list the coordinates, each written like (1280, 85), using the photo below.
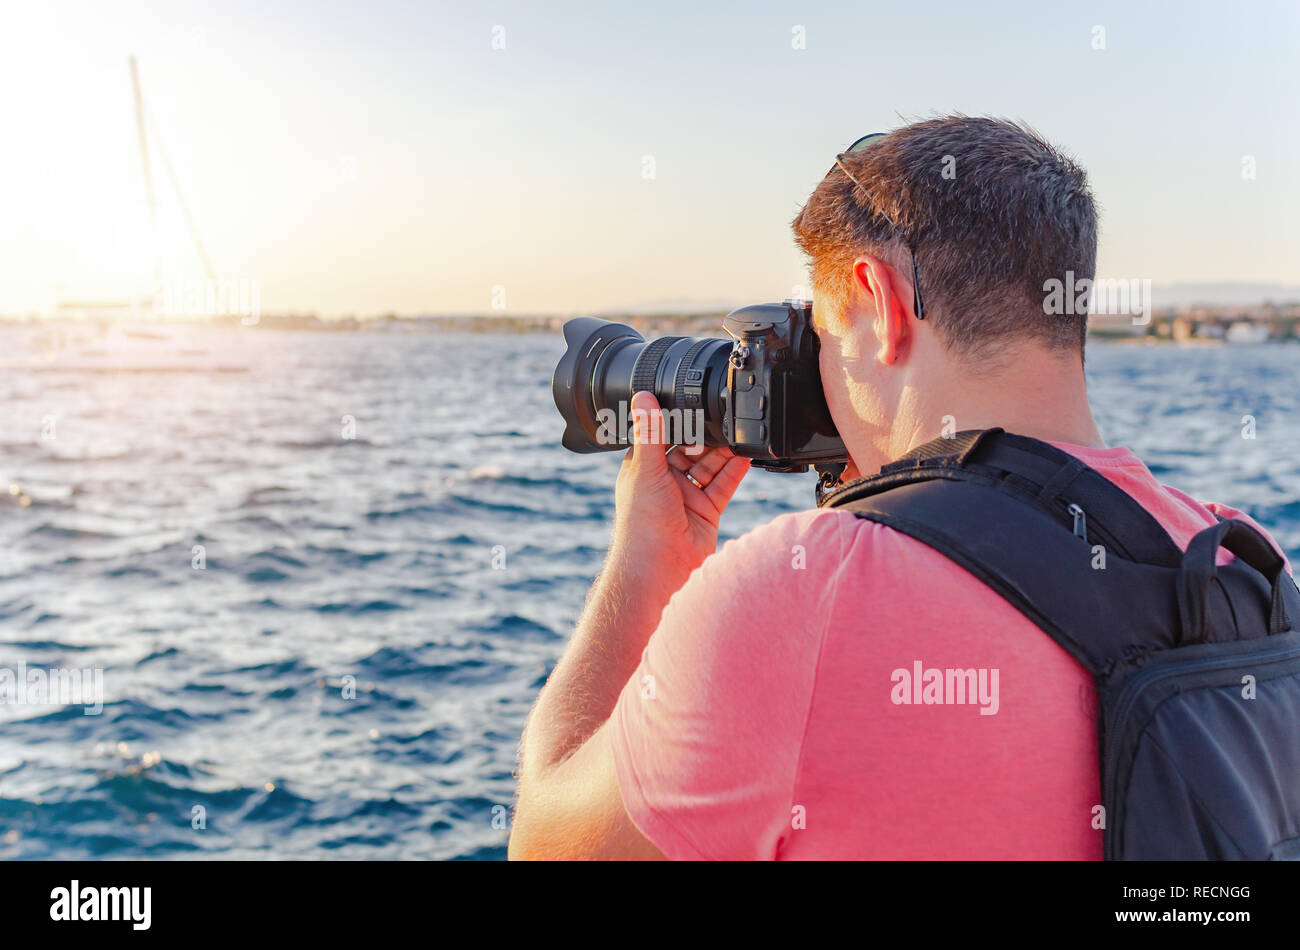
(1003, 507)
(1049, 478)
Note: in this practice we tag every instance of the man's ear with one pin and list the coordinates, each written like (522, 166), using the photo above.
(887, 291)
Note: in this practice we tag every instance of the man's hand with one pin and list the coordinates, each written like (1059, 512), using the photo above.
(667, 506)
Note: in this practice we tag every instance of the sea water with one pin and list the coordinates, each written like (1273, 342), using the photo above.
(324, 574)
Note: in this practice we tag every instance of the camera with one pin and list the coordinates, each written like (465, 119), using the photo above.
(758, 391)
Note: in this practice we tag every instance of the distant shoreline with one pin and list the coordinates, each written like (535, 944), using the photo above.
(1257, 323)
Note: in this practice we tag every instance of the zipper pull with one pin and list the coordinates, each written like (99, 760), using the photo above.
(1080, 522)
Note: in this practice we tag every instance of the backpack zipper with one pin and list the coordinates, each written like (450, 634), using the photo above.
(1099, 533)
(1080, 522)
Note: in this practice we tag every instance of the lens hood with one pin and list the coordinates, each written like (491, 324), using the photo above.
(587, 340)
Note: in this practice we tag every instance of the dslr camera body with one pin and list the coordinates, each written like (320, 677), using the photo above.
(758, 391)
(775, 410)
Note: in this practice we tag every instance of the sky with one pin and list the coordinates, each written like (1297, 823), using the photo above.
(361, 158)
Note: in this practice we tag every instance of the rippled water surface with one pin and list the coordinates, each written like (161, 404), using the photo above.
(236, 526)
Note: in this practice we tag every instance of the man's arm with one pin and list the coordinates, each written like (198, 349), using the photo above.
(569, 805)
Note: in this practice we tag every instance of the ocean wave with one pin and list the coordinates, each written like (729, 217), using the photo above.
(52, 531)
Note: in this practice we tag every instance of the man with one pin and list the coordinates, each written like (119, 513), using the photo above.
(745, 704)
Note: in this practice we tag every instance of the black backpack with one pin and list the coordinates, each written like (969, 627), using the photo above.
(1197, 672)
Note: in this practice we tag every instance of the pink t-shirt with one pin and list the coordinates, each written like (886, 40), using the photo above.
(774, 722)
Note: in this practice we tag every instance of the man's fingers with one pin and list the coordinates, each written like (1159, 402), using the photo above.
(694, 451)
(646, 419)
(703, 467)
(725, 483)
(648, 432)
(706, 468)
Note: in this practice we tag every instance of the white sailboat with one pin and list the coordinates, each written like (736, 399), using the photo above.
(129, 334)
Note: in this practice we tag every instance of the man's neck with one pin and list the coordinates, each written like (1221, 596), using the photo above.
(1051, 404)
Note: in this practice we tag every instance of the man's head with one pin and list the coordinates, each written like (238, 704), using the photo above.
(989, 211)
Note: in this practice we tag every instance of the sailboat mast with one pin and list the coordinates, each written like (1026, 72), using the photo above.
(144, 164)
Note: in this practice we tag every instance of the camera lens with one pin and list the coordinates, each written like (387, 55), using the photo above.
(605, 363)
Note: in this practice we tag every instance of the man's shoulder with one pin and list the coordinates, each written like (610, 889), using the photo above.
(813, 524)
(821, 542)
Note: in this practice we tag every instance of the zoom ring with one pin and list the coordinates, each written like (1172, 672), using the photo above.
(647, 364)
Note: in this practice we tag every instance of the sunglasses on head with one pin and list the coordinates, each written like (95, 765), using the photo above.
(858, 146)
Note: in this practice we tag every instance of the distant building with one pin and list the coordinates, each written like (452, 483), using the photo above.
(1247, 331)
